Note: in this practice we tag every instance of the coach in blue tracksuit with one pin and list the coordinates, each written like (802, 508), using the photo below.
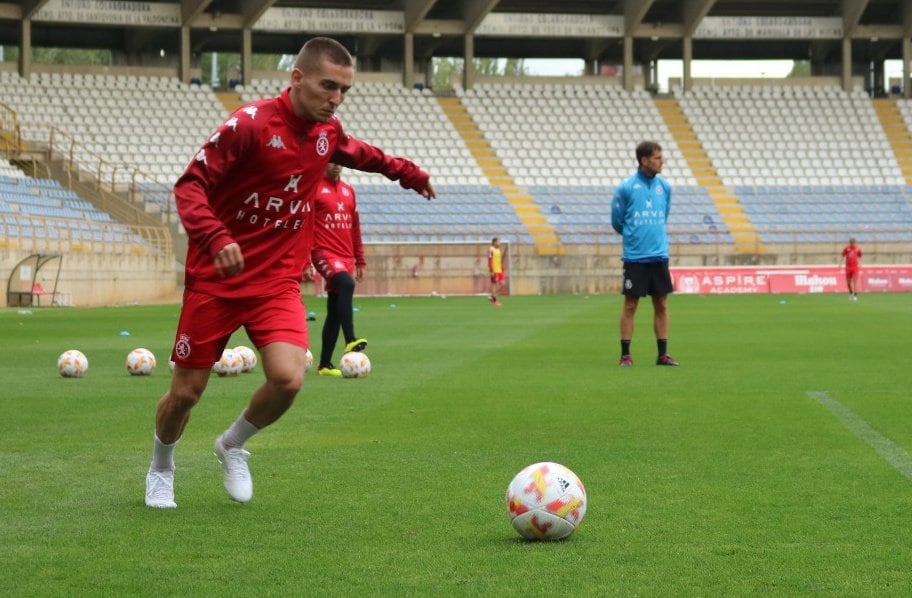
(639, 213)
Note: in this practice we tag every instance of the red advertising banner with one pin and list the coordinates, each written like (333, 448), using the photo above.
(789, 279)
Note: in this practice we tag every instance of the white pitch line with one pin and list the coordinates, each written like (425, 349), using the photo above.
(892, 453)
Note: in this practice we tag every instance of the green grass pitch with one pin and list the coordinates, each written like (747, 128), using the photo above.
(728, 475)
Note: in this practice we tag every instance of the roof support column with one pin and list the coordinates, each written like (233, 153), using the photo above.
(687, 53)
(25, 48)
(468, 71)
(628, 63)
(408, 60)
(184, 69)
(246, 56)
(907, 67)
(846, 64)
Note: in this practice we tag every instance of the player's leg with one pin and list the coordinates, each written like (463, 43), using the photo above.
(344, 285)
(278, 328)
(283, 364)
(660, 326)
(209, 322)
(633, 286)
(173, 410)
(628, 317)
(661, 286)
(330, 332)
(171, 416)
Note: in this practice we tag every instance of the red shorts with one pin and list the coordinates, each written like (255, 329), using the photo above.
(207, 322)
(328, 266)
(850, 272)
(497, 277)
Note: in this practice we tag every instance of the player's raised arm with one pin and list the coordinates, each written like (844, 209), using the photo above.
(360, 155)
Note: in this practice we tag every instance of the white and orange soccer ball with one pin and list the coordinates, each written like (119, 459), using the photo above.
(308, 361)
(140, 362)
(72, 364)
(355, 364)
(230, 364)
(546, 501)
(248, 357)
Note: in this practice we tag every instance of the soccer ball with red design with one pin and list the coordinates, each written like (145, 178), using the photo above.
(72, 364)
(140, 362)
(230, 364)
(248, 358)
(355, 364)
(308, 360)
(546, 501)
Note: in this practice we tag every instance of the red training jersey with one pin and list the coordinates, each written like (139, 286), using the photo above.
(851, 254)
(253, 183)
(337, 224)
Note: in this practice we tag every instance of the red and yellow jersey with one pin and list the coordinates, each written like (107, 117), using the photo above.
(851, 253)
(337, 224)
(253, 183)
(495, 263)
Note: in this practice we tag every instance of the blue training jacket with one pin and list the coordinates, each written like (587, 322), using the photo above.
(639, 213)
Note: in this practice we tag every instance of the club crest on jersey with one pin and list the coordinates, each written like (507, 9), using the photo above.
(322, 144)
(182, 348)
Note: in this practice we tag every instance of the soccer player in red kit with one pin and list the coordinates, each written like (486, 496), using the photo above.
(852, 255)
(338, 257)
(245, 201)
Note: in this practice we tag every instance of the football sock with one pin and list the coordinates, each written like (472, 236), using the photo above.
(344, 285)
(163, 455)
(663, 345)
(239, 433)
(625, 347)
(330, 329)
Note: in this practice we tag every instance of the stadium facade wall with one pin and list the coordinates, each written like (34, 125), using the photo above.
(461, 269)
(94, 279)
(400, 269)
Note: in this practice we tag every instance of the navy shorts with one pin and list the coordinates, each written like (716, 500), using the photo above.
(647, 279)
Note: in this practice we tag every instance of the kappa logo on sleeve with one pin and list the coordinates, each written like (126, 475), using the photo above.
(276, 142)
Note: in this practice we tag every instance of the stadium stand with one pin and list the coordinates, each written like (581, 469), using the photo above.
(801, 160)
(582, 215)
(40, 215)
(553, 134)
(821, 214)
(569, 145)
(467, 214)
(791, 135)
(145, 124)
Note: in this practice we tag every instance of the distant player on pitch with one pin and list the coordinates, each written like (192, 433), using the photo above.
(495, 270)
(639, 213)
(852, 255)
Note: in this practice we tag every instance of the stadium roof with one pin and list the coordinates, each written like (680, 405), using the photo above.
(656, 28)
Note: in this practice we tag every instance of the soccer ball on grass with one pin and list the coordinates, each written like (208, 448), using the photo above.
(355, 364)
(248, 358)
(308, 360)
(230, 364)
(546, 501)
(72, 364)
(140, 362)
